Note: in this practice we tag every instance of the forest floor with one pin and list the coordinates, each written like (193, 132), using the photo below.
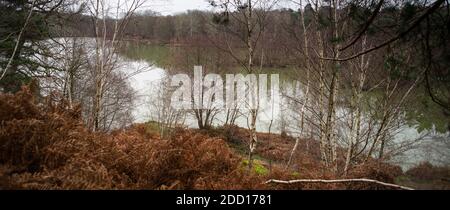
(274, 150)
(47, 146)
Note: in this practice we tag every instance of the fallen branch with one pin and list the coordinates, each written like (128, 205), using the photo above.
(336, 181)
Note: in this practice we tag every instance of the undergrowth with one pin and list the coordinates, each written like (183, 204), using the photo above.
(46, 146)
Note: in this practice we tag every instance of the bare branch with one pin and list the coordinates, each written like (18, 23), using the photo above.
(366, 26)
(429, 11)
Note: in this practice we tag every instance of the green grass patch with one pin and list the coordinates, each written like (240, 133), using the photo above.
(257, 168)
(296, 174)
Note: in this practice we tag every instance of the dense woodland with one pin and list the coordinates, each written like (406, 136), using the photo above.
(367, 69)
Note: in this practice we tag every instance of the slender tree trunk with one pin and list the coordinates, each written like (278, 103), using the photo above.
(253, 137)
(253, 111)
(381, 153)
(98, 70)
(321, 106)
(331, 112)
(308, 66)
(355, 106)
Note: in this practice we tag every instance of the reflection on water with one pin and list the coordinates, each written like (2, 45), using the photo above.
(276, 119)
(143, 83)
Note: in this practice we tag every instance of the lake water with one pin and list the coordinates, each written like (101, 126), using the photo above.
(146, 83)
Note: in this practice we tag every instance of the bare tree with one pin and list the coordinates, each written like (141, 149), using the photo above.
(164, 114)
(308, 70)
(106, 45)
(251, 16)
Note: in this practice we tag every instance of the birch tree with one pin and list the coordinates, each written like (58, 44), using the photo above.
(107, 41)
(250, 16)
